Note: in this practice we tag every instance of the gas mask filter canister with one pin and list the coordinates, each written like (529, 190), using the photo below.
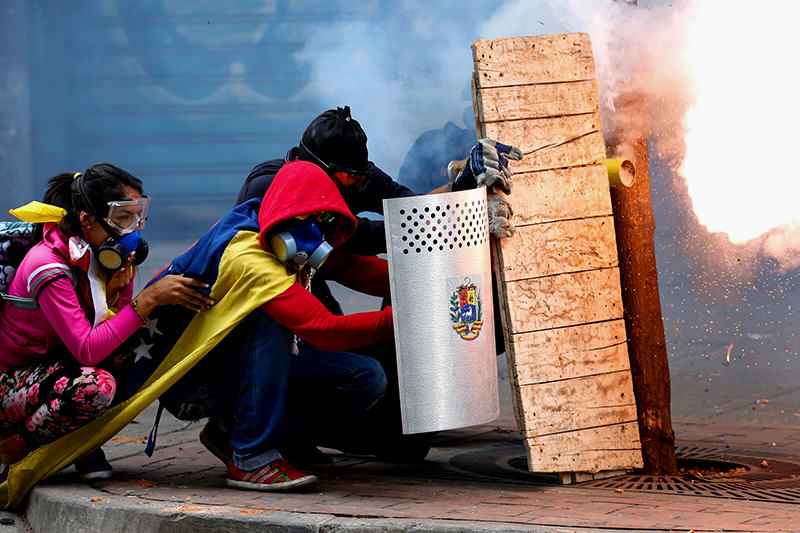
(114, 252)
(302, 245)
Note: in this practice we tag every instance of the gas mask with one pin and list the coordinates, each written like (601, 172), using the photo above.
(122, 221)
(303, 242)
(114, 252)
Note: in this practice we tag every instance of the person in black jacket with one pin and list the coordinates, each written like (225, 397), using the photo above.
(335, 142)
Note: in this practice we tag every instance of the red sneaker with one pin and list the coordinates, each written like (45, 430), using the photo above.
(276, 476)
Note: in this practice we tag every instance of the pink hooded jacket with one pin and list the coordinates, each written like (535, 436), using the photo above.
(60, 320)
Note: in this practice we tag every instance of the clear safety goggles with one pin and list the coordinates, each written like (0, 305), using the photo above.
(126, 216)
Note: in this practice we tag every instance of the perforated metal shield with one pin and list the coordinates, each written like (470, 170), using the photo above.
(441, 284)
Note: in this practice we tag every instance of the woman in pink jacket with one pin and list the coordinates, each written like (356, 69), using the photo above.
(56, 355)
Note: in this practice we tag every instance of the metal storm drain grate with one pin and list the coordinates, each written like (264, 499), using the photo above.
(504, 462)
(776, 482)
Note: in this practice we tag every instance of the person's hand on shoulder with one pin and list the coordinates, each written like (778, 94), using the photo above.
(174, 289)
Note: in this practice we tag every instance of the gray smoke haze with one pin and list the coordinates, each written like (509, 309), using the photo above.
(404, 78)
(400, 76)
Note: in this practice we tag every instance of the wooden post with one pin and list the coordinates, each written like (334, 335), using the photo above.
(634, 225)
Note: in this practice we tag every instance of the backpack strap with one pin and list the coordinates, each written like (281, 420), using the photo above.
(19, 301)
(38, 280)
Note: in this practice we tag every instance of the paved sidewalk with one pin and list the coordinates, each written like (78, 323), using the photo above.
(473, 480)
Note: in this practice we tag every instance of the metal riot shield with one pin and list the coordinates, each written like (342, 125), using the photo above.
(441, 286)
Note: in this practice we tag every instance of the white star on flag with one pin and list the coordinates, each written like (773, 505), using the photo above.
(152, 327)
(142, 351)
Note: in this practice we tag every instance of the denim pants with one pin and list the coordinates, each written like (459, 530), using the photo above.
(268, 397)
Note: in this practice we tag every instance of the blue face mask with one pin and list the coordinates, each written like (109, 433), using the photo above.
(302, 245)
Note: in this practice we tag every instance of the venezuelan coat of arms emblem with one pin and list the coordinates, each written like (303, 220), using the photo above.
(466, 314)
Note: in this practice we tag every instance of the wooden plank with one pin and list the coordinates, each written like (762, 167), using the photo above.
(579, 403)
(567, 478)
(558, 284)
(559, 247)
(564, 300)
(544, 59)
(572, 352)
(552, 142)
(507, 324)
(560, 194)
(615, 447)
(538, 101)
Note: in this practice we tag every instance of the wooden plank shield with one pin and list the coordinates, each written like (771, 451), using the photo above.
(558, 276)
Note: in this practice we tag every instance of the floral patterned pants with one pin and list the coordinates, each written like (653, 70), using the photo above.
(43, 402)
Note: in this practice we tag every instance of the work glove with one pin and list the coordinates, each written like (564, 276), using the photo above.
(500, 214)
(487, 165)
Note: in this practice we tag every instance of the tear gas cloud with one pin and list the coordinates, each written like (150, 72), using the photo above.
(393, 71)
(715, 92)
(716, 99)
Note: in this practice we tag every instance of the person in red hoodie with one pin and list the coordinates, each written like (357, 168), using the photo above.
(283, 372)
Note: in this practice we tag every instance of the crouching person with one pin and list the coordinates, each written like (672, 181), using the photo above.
(263, 381)
(69, 309)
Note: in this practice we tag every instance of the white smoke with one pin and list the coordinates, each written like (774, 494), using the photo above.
(717, 92)
(634, 49)
(399, 76)
(403, 71)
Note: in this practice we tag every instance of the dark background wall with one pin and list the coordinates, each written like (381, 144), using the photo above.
(190, 95)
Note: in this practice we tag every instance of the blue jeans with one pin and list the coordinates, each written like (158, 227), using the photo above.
(276, 397)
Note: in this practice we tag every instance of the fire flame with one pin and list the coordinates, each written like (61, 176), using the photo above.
(741, 129)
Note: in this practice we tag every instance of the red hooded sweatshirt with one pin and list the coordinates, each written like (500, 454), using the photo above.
(301, 188)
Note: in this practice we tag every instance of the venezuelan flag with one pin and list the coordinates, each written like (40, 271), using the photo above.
(241, 276)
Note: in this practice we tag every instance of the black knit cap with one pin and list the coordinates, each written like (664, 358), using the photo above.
(335, 141)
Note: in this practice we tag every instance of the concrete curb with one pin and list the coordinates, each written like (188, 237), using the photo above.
(68, 508)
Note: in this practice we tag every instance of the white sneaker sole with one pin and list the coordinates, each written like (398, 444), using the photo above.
(303, 482)
(97, 476)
